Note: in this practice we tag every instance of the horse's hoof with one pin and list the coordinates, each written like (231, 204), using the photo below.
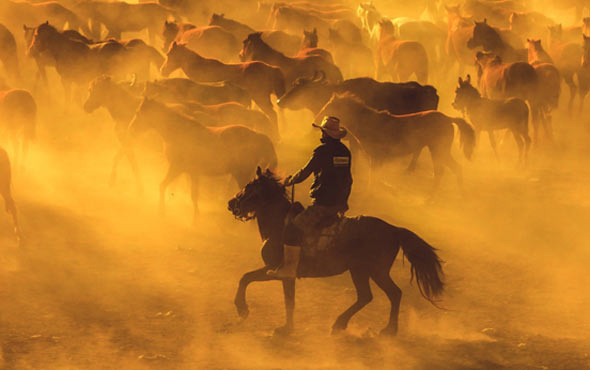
(388, 332)
(283, 331)
(243, 312)
(338, 328)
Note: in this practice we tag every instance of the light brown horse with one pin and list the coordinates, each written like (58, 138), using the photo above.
(18, 120)
(385, 136)
(260, 80)
(121, 105)
(5, 190)
(499, 80)
(198, 150)
(304, 66)
(399, 58)
(491, 115)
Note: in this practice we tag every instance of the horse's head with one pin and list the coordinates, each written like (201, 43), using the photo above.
(484, 59)
(482, 34)
(42, 36)
(464, 94)
(301, 91)
(174, 58)
(258, 193)
(28, 33)
(251, 46)
(310, 39)
(346, 106)
(169, 32)
(555, 32)
(98, 90)
(386, 28)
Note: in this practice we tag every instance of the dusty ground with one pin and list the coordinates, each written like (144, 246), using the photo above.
(102, 282)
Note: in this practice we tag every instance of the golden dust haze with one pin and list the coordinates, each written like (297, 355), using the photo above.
(101, 280)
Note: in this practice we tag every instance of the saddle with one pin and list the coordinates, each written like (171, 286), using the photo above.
(321, 237)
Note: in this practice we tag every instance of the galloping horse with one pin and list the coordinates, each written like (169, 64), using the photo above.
(365, 246)
(400, 58)
(303, 66)
(260, 80)
(198, 150)
(489, 115)
(5, 191)
(385, 136)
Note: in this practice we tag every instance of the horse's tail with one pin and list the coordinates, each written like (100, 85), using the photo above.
(268, 155)
(425, 264)
(466, 136)
(278, 80)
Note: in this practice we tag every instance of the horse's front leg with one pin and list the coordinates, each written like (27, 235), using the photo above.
(247, 278)
(289, 292)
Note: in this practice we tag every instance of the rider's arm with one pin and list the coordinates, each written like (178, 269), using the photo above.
(310, 167)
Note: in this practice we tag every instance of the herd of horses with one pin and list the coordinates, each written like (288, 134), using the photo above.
(243, 68)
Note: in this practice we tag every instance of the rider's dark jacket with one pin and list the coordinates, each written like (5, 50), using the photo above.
(330, 164)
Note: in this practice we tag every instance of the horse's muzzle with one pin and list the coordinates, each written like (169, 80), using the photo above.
(232, 206)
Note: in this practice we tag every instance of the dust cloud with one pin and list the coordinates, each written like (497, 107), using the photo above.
(101, 280)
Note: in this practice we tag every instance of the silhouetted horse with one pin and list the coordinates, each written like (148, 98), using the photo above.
(8, 54)
(365, 246)
(490, 40)
(490, 115)
(385, 136)
(121, 104)
(5, 190)
(198, 150)
(18, 120)
(255, 49)
(400, 58)
(396, 98)
(259, 79)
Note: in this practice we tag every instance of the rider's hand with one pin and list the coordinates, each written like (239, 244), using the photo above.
(288, 181)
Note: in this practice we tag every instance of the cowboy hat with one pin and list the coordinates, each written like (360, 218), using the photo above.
(331, 126)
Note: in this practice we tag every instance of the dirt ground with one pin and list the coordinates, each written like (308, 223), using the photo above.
(102, 282)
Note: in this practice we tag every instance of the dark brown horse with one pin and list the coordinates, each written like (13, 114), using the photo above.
(18, 120)
(385, 136)
(77, 62)
(121, 105)
(197, 150)
(8, 54)
(399, 58)
(259, 79)
(365, 246)
(255, 49)
(6, 191)
(490, 115)
(490, 40)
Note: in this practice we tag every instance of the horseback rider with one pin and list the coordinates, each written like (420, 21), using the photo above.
(330, 165)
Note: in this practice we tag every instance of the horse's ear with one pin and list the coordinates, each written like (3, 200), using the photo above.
(460, 81)
(529, 40)
(258, 171)
(174, 44)
(485, 21)
(24, 27)
(468, 80)
(315, 31)
(46, 22)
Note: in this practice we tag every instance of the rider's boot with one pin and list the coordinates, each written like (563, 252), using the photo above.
(288, 270)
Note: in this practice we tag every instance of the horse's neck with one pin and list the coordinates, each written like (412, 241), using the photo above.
(271, 56)
(121, 104)
(271, 219)
(495, 42)
(473, 107)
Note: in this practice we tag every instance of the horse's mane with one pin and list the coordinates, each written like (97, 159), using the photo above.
(274, 180)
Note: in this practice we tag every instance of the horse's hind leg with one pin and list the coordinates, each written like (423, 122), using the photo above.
(394, 293)
(412, 166)
(360, 278)
(520, 143)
